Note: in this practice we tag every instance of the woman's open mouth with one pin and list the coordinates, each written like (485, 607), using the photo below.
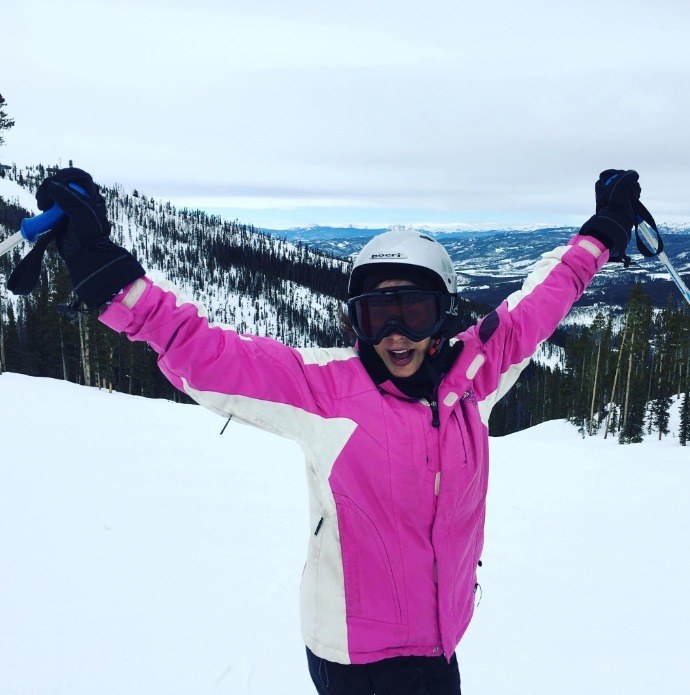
(400, 358)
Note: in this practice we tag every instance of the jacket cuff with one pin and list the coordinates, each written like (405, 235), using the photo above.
(596, 248)
(119, 315)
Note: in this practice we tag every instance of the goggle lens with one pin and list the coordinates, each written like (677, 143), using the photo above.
(417, 314)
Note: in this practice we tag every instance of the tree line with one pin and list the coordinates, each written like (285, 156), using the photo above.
(624, 371)
(617, 376)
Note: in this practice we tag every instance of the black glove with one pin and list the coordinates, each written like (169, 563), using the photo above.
(617, 200)
(98, 268)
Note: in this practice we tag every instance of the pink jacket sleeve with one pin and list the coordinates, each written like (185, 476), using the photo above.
(509, 335)
(250, 377)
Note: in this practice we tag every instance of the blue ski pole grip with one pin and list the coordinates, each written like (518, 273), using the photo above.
(34, 227)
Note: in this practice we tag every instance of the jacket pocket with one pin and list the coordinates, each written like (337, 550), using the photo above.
(370, 589)
(471, 487)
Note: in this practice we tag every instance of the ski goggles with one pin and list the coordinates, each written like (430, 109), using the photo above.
(416, 314)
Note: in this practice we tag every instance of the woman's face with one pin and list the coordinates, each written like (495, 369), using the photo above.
(402, 356)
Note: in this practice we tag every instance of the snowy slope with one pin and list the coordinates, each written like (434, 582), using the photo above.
(143, 553)
(174, 245)
(12, 192)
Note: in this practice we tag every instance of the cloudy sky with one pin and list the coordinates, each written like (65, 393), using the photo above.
(291, 112)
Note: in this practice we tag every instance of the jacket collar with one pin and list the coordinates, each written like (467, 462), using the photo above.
(422, 384)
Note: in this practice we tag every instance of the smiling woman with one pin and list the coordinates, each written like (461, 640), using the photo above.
(401, 355)
(403, 300)
(394, 429)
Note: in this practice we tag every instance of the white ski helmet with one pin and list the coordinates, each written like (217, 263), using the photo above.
(401, 254)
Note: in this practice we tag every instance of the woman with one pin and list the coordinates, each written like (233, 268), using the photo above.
(394, 430)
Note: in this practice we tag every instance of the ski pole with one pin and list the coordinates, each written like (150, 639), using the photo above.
(33, 228)
(650, 240)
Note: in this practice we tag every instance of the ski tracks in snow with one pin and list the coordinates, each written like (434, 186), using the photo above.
(237, 678)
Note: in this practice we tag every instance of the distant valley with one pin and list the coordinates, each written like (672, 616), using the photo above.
(492, 264)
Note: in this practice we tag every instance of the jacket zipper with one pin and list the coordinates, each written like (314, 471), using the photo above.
(435, 421)
(433, 403)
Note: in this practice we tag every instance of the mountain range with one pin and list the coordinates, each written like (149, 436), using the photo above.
(492, 263)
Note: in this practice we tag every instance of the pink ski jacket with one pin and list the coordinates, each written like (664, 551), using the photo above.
(397, 506)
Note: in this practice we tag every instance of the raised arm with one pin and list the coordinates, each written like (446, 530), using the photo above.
(259, 380)
(509, 335)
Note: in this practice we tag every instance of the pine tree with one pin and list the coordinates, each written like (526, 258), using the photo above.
(5, 121)
(578, 357)
(601, 336)
(661, 376)
(684, 433)
(12, 351)
(612, 419)
(660, 414)
(638, 362)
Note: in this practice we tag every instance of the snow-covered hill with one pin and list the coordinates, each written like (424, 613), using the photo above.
(13, 193)
(141, 552)
(244, 278)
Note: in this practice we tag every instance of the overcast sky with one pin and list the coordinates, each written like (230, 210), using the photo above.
(290, 112)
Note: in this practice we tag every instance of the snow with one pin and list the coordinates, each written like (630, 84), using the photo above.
(12, 192)
(142, 552)
(549, 355)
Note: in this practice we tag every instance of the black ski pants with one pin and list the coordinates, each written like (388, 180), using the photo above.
(401, 675)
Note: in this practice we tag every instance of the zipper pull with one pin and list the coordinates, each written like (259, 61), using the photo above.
(318, 527)
(435, 421)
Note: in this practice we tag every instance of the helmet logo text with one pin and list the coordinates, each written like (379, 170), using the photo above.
(388, 255)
